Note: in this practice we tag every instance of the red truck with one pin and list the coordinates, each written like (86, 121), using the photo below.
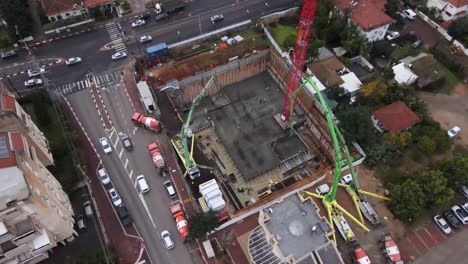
(146, 121)
(155, 152)
(179, 216)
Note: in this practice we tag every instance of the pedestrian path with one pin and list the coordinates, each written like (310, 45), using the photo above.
(104, 79)
(116, 37)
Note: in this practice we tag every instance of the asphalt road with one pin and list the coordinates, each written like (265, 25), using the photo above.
(452, 250)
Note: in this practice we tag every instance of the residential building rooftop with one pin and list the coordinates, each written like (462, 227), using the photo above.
(404, 74)
(396, 117)
(366, 14)
(54, 7)
(426, 67)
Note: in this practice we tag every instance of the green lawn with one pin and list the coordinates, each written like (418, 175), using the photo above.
(282, 33)
(405, 51)
(450, 81)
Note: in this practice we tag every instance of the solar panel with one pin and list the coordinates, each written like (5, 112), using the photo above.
(4, 152)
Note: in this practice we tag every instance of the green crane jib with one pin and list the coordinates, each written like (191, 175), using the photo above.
(190, 164)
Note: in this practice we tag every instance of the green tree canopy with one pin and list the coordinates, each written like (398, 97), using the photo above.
(200, 224)
(407, 200)
(459, 27)
(16, 13)
(426, 145)
(353, 41)
(391, 8)
(435, 187)
(455, 170)
(356, 124)
(398, 140)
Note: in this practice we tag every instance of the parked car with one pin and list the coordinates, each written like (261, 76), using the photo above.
(145, 16)
(115, 197)
(347, 179)
(460, 213)
(442, 224)
(144, 39)
(33, 73)
(73, 60)
(126, 142)
(216, 18)
(88, 208)
(161, 16)
(322, 189)
(80, 223)
(393, 35)
(33, 82)
(124, 216)
(453, 131)
(452, 219)
(464, 191)
(464, 207)
(141, 184)
(102, 173)
(105, 145)
(409, 14)
(119, 55)
(417, 43)
(8, 54)
(167, 240)
(138, 23)
(170, 188)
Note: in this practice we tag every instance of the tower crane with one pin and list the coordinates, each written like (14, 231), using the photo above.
(181, 144)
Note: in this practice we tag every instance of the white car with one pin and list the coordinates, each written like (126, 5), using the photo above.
(119, 55)
(409, 14)
(322, 189)
(33, 82)
(347, 179)
(71, 61)
(216, 18)
(442, 224)
(141, 184)
(170, 188)
(453, 131)
(33, 73)
(102, 173)
(139, 22)
(115, 197)
(393, 35)
(461, 214)
(144, 39)
(167, 240)
(105, 145)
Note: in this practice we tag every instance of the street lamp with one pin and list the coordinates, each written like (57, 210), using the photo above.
(178, 34)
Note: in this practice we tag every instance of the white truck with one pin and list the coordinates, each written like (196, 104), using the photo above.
(212, 195)
(147, 98)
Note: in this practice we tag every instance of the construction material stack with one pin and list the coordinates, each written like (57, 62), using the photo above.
(147, 122)
(181, 222)
(212, 195)
(156, 155)
(156, 54)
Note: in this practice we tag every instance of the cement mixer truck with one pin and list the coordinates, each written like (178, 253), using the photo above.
(156, 155)
(181, 222)
(147, 122)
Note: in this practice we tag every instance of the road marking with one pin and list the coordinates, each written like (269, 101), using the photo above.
(146, 208)
(126, 164)
(120, 154)
(130, 174)
(135, 130)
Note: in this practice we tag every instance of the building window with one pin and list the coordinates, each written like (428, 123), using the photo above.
(448, 14)
(31, 154)
(67, 14)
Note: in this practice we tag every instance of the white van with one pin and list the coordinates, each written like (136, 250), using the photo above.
(142, 185)
(408, 13)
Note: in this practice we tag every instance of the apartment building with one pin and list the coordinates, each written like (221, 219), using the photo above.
(35, 213)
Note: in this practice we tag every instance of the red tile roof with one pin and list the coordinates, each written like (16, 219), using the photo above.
(8, 103)
(458, 3)
(91, 3)
(367, 14)
(11, 159)
(54, 7)
(396, 117)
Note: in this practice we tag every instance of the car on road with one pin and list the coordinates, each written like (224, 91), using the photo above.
(33, 73)
(73, 60)
(460, 213)
(124, 216)
(8, 54)
(105, 145)
(161, 16)
(347, 179)
(167, 240)
(170, 188)
(126, 141)
(216, 18)
(393, 35)
(442, 224)
(33, 82)
(409, 14)
(102, 173)
(80, 223)
(138, 23)
(115, 197)
(453, 131)
(145, 16)
(88, 209)
(322, 189)
(142, 184)
(119, 55)
(144, 39)
(452, 219)
(417, 43)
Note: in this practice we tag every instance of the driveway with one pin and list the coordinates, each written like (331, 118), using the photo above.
(451, 251)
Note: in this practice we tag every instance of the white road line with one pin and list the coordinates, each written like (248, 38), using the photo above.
(126, 164)
(87, 83)
(120, 154)
(135, 130)
(115, 143)
(146, 208)
(130, 174)
(107, 78)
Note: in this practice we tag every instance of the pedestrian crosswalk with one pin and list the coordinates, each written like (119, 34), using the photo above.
(116, 37)
(104, 79)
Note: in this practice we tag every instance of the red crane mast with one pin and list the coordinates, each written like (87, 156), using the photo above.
(304, 31)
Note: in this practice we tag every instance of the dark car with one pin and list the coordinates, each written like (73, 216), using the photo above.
(8, 54)
(124, 216)
(452, 219)
(145, 16)
(126, 141)
(161, 16)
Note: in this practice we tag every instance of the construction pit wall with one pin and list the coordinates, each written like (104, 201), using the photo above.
(314, 134)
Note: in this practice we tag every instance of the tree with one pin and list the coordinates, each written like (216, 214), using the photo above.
(356, 124)
(314, 45)
(391, 8)
(395, 92)
(407, 200)
(353, 41)
(435, 188)
(201, 224)
(398, 140)
(338, 94)
(426, 145)
(16, 15)
(374, 91)
(455, 170)
(459, 27)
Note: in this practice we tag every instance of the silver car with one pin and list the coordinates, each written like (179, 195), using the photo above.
(33, 82)
(119, 55)
(442, 224)
(115, 197)
(167, 240)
